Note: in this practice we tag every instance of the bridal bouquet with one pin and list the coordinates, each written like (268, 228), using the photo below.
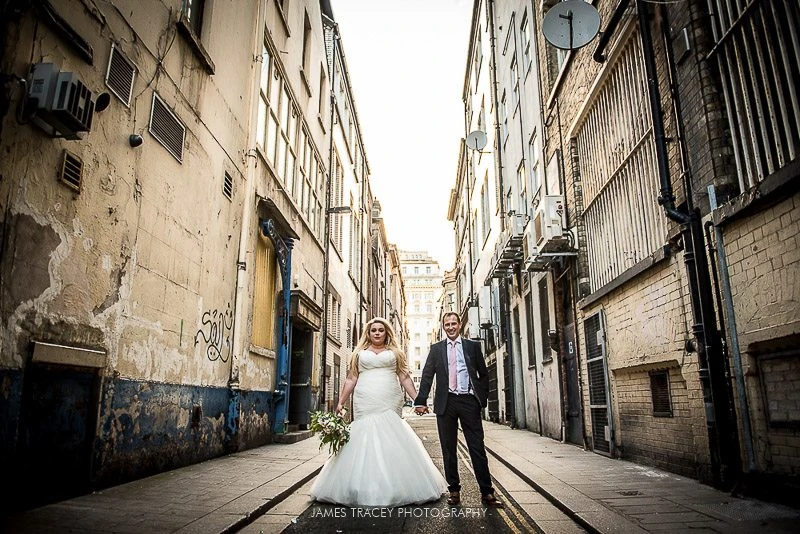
(332, 428)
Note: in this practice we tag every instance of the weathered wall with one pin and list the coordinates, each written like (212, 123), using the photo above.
(764, 266)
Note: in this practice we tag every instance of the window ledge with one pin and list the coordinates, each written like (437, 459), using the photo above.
(194, 42)
(772, 189)
(261, 351)
(282, 16)
(322, 123)
(653, 259)
(304, 78)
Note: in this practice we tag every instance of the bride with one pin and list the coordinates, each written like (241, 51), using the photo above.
(384, 463)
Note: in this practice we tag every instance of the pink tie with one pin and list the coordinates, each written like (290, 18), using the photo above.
(452, 364)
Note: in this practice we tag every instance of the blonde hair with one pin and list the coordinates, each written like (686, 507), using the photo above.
(391, 344)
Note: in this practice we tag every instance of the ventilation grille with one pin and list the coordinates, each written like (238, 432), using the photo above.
(166, 128)
(71, 171)
(227, 186)
(120, 76)
(659, 388)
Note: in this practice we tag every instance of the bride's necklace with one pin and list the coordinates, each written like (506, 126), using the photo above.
(376, 349)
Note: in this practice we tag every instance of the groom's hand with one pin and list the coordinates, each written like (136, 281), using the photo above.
(421, 410)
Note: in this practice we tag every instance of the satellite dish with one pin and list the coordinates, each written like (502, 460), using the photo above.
(476, 140)
(571, 24)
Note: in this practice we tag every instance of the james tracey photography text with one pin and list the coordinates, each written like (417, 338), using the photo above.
(384, 512)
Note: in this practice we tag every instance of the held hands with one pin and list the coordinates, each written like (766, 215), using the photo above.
(421, 410)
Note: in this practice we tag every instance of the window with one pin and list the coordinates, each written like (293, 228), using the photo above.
(535, 179)
(616, 159)
(525, 35)
(306, 43)
(763, 108)
(544, 317)
(555, 61)
(324, 96)
(193, 13)
(485, 222)
(477, 58)
(263, 334)
(522, 186)
(659, 390)
(286, 144)
(531, 342)
(337, 191)
(502, 115)
(514, 82)
(334, 317)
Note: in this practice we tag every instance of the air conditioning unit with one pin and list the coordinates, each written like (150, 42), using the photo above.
(473, 328)
(516, 224)
(485, 306)
(533, 260)
(58, 102)
(548, 230)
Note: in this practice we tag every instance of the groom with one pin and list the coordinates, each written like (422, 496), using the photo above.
(461, 383)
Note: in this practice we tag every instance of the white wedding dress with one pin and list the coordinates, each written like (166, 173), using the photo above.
(384, 463)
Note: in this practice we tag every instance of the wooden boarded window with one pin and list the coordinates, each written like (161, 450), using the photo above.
(264, 294)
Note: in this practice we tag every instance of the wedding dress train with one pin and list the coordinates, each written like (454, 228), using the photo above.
(384, 463)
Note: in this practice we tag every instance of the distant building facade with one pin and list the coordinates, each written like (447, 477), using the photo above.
(423, 289)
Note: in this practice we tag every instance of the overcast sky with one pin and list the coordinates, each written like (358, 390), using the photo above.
(406, 61)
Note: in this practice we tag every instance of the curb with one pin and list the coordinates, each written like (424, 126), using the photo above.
(575, 516)
(264, 508)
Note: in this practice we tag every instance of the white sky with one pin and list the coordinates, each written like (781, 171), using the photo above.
(406, 61)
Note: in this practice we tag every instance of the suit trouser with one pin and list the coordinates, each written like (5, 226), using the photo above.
(467, 410)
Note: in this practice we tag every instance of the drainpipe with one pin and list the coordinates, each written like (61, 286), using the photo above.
(722, 436)
(280, 397)
(515, 372)
(327, 232)
(723, 442)
(241, 294)
(741, 391)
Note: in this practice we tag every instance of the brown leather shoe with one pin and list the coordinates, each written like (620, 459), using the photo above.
(454, 498)
(491, 500)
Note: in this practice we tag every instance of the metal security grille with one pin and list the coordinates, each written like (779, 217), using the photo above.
(758, 53)
(598, 383)
(71, 171)
(166, 128)
(616, 156)
(120, 76)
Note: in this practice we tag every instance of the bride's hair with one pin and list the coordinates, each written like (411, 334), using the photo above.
(391, 344)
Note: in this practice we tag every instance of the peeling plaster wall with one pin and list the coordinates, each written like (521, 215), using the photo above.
(141, 264)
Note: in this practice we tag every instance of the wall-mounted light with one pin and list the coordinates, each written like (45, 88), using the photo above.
(135, 140)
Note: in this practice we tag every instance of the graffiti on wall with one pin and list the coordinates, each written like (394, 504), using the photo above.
(215, 330)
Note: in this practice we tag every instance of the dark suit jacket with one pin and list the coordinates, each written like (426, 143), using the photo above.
(436, 366)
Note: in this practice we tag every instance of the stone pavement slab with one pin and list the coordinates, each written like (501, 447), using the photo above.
(212, 496)
(609, 495)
